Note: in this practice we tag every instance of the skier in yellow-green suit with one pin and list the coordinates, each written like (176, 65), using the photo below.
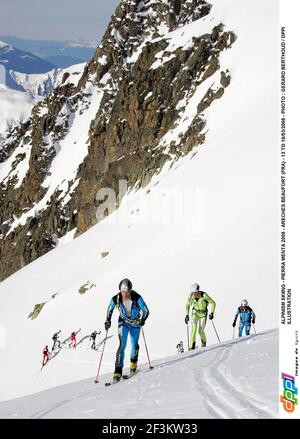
(198, 301)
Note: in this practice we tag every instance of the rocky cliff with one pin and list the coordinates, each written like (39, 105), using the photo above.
(139, 103)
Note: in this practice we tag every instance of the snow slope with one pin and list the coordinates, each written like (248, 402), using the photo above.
(42, 84)
(223, 381)
(15, 107)
(212, 218)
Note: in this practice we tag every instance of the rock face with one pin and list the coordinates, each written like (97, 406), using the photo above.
(139, 103)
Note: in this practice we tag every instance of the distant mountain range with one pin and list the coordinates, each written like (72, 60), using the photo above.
(14, 59)
(22, 61)
(58, 53)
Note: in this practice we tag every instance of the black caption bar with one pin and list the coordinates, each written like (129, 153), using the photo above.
(123, 428)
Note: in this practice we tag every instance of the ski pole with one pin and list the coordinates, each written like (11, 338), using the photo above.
(233, 333)
(254, 328)
(216, 331)
(188, 336)
(150, 367)
(97, 377)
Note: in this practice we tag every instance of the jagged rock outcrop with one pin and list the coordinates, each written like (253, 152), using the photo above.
(140, 103)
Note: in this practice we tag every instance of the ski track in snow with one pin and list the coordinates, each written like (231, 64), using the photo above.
(229, 401)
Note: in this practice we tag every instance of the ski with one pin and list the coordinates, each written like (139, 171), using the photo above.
(130, 375)
(124, 377)
(111, 383)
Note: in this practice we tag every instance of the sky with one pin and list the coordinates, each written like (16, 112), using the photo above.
(56, 19)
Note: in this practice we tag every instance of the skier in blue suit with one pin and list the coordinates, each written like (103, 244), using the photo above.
(246, 314)
(133, 314)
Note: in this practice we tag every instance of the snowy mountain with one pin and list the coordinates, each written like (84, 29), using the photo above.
(44, 83)
(15, 108)
(27, 91)
(175, 101)
(140, 102)
(13, 59)
(237, 367)
(60, 53)
(21, 61)
(81, 43)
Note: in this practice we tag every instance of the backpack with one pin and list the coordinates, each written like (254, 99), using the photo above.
(201, 295)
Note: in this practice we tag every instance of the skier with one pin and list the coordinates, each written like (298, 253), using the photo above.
(46, 355)
(56, 340)
(198, 301)
(133, 314)
(246, 314)
(73, 339)
(93, 337)
(180, 349)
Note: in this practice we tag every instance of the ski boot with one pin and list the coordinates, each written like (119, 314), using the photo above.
(193, 346)
(117, 377)
(133, 367)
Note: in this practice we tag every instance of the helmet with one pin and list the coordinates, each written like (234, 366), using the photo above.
(194, 287)
(125, 285)
(244, 302)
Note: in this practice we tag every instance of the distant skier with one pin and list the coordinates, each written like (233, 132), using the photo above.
(46, 355)
(198, 301)
(73, 339)
(56, 341)
(246, 315)
(93, 337)
(180, 349)
(133, 314)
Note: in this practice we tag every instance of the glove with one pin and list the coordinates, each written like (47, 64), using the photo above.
(186, 319)
(141, 321)
(107, 325)
(253, 321)
(233, 324)
(211, 316)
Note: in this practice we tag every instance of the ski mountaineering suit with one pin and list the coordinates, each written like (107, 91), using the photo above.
(133, 314)
(46, 355)
(245, 313)
(199, 315)
(73, 342)
(56, 341)
(93, 336)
